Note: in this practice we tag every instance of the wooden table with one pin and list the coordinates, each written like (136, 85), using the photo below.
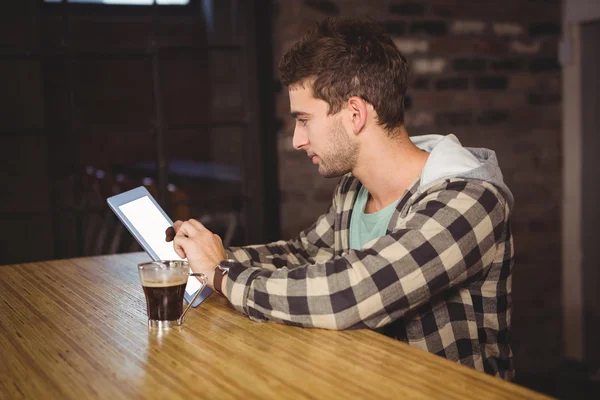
(78, 329)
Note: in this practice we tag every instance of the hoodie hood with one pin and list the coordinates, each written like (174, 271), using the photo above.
(449, 159)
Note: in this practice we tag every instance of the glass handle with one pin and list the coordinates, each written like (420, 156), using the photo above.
(204, 281)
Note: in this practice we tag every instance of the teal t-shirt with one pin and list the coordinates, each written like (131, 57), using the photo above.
(366, 227)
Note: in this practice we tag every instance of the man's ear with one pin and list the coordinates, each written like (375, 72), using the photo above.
(358, 109)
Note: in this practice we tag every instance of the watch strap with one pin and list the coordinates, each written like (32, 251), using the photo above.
(218, 279)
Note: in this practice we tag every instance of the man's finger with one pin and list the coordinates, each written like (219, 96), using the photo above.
(179, 245)
(188, 229)
(177, 224)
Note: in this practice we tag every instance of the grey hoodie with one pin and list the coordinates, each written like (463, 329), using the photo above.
(449, 159)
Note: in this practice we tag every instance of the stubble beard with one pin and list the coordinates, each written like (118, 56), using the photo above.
(341, 156)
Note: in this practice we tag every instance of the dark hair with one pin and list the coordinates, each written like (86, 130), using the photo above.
(347, 57)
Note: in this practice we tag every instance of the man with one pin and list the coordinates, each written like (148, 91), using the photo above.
(417, 242)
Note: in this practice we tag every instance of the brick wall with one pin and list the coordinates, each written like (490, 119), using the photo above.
(488, 72)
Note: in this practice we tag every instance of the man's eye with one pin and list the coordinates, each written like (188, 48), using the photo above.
(303, 121)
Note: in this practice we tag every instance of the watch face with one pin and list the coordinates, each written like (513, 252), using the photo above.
(228, 263)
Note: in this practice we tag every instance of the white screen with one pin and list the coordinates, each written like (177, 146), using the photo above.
(151, 224)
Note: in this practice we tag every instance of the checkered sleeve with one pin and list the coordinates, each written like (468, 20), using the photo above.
(449, 235)
(315, 244)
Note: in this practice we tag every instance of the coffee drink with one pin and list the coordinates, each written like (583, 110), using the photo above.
(164, 300)
(164, 283)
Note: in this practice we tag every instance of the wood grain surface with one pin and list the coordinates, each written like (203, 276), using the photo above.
(78, 329)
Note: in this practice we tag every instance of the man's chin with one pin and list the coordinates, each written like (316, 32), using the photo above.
(330, 174)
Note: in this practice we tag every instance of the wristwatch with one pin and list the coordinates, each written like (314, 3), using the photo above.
(221, 270)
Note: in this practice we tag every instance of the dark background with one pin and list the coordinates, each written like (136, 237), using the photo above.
(92, 94)
(98, 99)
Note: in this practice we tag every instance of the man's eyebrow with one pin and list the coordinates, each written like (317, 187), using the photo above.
(296, 114)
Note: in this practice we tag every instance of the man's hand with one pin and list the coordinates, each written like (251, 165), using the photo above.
(203, 249)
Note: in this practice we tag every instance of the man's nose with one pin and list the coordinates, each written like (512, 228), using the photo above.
(300, 139)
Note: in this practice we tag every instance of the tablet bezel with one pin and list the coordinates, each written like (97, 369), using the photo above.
(118, 200)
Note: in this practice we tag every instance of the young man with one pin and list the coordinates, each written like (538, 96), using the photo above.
(417, 242)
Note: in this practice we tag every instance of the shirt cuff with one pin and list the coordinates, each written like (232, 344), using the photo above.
(239, 280)
(229, 251)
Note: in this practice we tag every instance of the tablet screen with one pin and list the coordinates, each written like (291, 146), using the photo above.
(151, 224)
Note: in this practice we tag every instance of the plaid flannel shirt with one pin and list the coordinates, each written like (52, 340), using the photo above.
(439, 280)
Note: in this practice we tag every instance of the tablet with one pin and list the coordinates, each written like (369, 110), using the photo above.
(147, 222)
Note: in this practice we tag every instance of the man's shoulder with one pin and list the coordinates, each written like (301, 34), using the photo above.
(472, 187)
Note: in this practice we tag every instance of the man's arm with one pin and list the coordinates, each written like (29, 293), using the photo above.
(311, 246)
(448, 237)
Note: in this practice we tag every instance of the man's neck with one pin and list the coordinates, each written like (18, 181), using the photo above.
(387, 167)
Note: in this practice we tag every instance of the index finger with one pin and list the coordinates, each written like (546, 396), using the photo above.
(177, 224)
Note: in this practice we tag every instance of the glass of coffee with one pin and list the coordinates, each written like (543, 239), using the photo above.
(164, 285)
